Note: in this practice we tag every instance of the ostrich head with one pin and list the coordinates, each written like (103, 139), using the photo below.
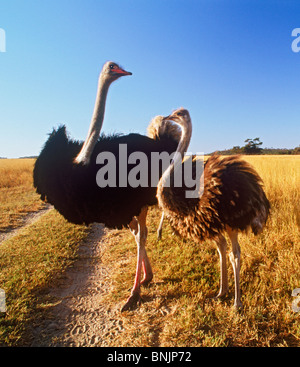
(180, 116)
(112, 71)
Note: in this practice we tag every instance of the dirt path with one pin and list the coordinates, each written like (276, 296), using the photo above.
(79, 316)
(27, 220)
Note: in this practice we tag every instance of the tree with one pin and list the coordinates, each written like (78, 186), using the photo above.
(296, 150)
(236, 149)
(252, 146)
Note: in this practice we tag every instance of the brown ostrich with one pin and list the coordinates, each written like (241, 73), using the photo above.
(233, 200)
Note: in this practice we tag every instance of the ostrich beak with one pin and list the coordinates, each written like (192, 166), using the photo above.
(167, 118)
(170, 118)
(122, 72)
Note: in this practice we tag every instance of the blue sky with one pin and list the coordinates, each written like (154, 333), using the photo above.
(229, 62)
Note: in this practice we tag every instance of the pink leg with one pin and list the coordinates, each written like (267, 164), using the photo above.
(148, 274)
(139, 230)
(142, 254)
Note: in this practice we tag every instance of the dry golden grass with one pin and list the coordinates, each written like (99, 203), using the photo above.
(17, 195)
(178, 310)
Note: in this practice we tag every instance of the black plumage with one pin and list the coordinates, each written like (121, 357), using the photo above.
(66, 175)
(72, 188)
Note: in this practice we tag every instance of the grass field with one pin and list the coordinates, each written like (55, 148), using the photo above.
(17, 195)
(178, 309)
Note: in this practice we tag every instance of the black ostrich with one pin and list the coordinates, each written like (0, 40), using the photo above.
(65, 176)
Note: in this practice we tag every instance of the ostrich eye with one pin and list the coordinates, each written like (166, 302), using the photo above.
(112, 67)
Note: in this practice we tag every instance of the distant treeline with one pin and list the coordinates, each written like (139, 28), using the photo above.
(29, 157)
(266, 151)
(253, 146)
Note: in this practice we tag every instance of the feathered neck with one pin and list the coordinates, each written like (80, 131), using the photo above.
(181, 149)
(96, 122)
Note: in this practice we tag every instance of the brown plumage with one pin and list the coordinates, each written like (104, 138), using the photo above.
(159, 127)
(232, 196)
(233, 200)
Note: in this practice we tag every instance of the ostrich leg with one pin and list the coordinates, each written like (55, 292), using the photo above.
(139, 229)
(234, 257)
(222, 246)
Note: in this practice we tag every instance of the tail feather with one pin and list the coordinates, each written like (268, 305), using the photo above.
(159, 129)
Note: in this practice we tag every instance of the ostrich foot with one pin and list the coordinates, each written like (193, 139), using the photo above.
(146, 281)
(238, 305)
(133, 301)
(221, 293)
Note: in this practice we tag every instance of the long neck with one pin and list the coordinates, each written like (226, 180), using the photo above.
(182, 147)
(96, 123)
